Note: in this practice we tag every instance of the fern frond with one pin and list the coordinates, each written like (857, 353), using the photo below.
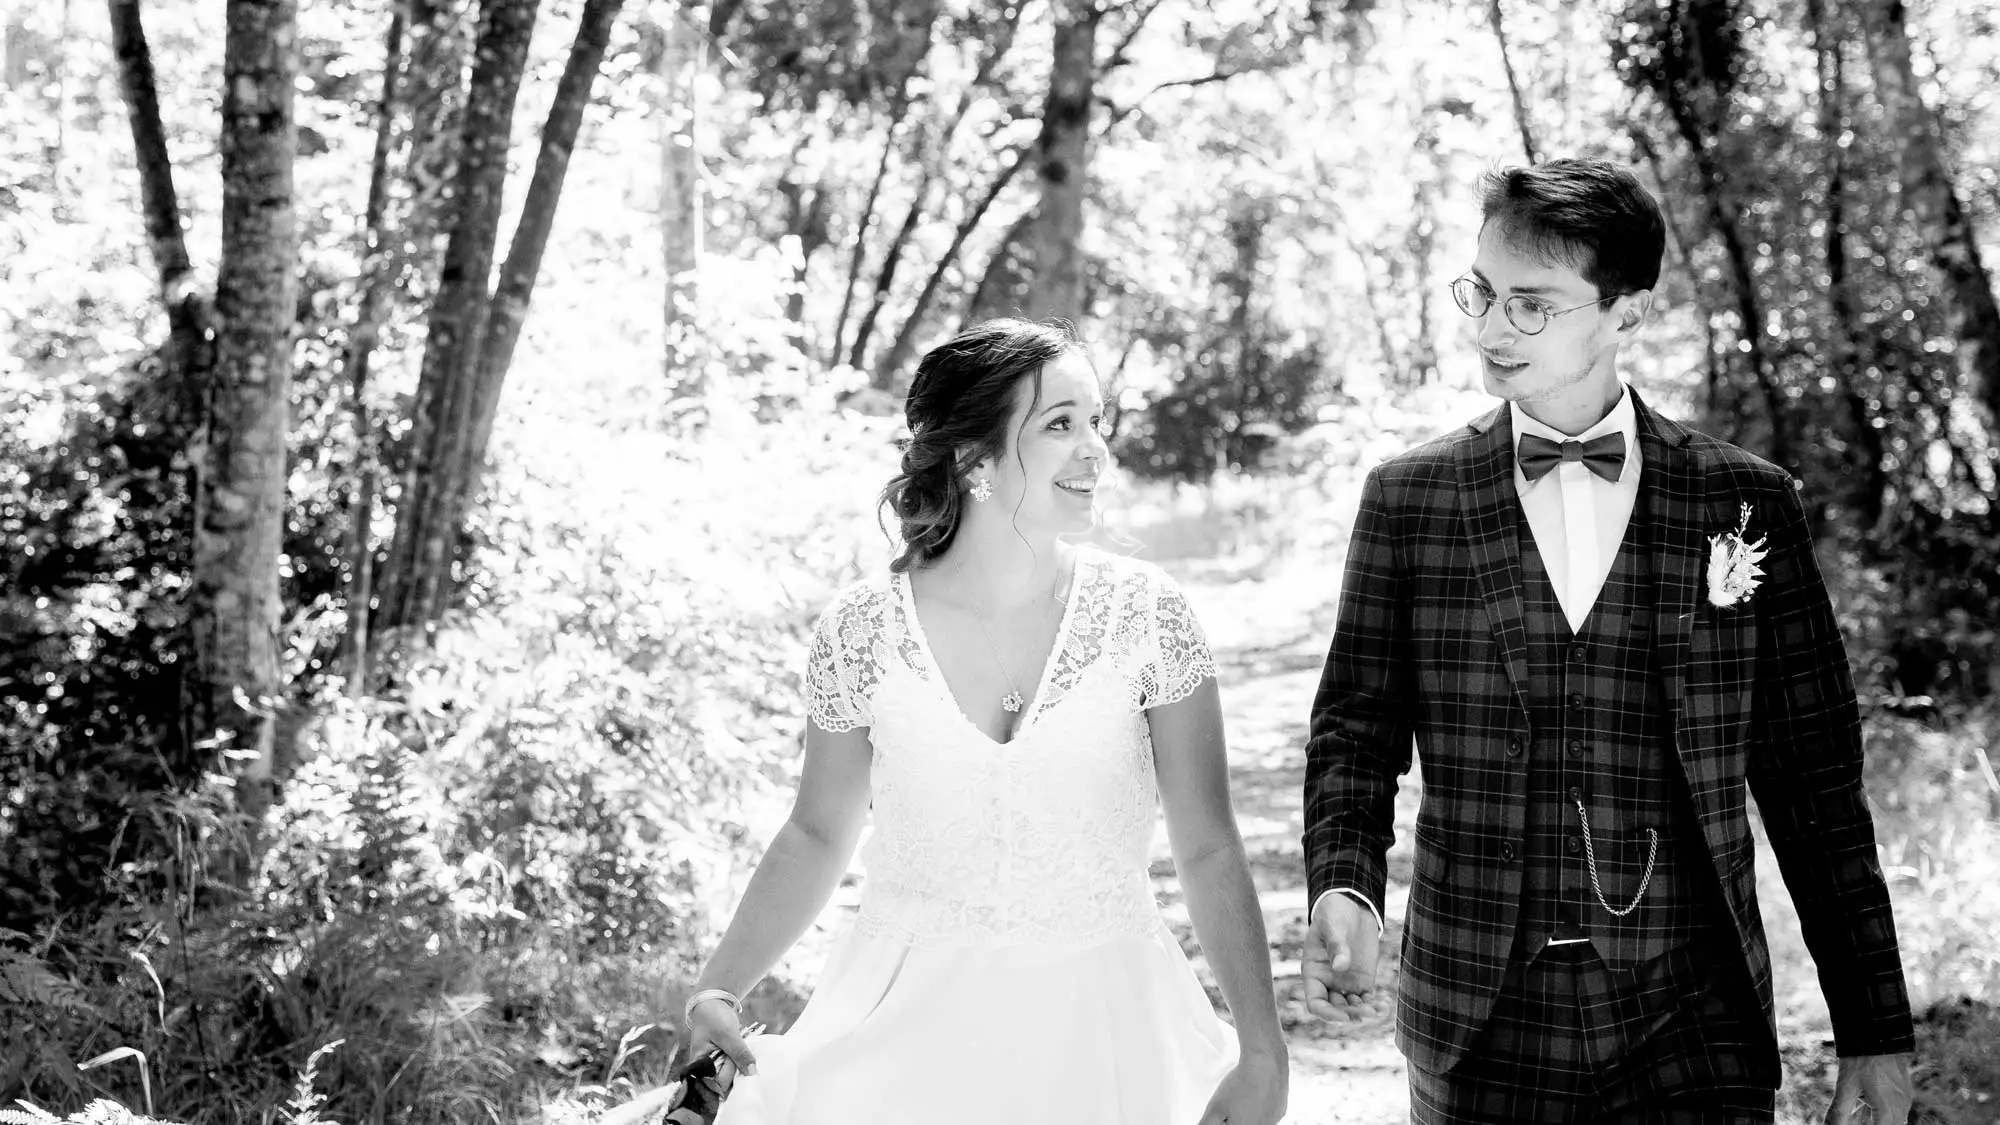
(28, 1114)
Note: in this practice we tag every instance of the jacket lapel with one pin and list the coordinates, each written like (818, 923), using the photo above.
(1490, 507)
(1674, 492)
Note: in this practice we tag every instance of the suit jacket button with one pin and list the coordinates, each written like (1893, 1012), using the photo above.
(1507, 851)
(1513, 746)
(1573, 845)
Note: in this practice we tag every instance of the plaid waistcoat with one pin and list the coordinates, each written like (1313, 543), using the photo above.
(1602, 734)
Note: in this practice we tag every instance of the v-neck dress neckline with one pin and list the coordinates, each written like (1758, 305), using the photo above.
(906, 590)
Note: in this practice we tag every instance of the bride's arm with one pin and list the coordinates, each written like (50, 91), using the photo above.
(1191, 760)
(802, 866)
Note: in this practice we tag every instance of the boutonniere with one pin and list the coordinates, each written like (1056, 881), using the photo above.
(1732, 564)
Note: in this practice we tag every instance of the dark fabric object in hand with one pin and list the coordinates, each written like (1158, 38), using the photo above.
(705, 1082)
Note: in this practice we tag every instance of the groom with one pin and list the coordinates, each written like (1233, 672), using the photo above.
(1597, 626)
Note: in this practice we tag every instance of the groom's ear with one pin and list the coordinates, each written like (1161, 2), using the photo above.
(1635, 306)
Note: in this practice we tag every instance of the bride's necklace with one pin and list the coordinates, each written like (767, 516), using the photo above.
(1013, 701)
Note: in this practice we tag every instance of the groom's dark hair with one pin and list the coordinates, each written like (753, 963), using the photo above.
(1587, 214)
(957, 411)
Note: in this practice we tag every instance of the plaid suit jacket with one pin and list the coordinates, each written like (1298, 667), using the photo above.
(1430, 649)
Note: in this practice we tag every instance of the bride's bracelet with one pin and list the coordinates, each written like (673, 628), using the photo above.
(703, 997)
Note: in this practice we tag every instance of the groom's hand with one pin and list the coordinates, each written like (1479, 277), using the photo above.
(1342, 943)
(1883, 1081)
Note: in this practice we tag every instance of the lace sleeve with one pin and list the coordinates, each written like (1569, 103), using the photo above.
(1179, 658)
(843, 668)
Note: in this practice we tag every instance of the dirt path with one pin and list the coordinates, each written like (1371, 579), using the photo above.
(1270, 638)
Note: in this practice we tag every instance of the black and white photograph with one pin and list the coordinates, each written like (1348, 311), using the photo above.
(973, 562)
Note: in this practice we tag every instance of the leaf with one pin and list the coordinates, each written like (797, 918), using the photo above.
(113, 1055)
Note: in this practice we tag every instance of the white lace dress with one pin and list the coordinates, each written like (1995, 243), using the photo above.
(1008, 962)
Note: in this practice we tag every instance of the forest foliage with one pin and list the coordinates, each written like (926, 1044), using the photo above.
(589, 380)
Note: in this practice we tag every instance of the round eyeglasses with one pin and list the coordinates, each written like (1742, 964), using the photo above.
(1526, 314)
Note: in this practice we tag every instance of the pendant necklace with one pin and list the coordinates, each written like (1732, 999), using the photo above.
(1013, 701)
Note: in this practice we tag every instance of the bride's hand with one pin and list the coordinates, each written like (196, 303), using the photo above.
(1253, 1093)
(716, 1025)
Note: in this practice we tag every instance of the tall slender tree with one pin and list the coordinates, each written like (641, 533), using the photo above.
(1514, 92)
(935, 163)
(516, 284)
(681, 58)
(898, 355)
(240, 502)
(378, 274)
(1062, 164)
(1688, 54)
(187, 316)
(1845, 345)
(1931, 198)
(417, 574)
(476, 322)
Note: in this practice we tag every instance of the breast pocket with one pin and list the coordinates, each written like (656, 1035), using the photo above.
(1453, 640)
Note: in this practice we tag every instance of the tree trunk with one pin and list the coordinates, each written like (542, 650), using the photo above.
(1062, 157)
(417, 577)
(187, 321)
(1009, 273)
(378, 274)
(858, 251)
(1845, 347)
(885, 278)
(240, 507)
(61, 108)
(1241, 384)
(1931, 198)
(1725, 216)
(898, 356)
(805, 230)
(884, 373)
(1513, 84)
(1371, 293)
(538, 214)
(439, 38)
(680, 182)
(1422, 241)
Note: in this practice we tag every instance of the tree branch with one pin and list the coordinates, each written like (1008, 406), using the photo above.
(1513, 84)
(187, 322)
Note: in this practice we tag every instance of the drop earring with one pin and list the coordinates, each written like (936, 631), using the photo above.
(982, 489)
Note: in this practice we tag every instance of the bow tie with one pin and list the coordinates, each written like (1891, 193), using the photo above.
(1604, 456)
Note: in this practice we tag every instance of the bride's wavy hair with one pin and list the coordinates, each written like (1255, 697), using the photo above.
(957, 413)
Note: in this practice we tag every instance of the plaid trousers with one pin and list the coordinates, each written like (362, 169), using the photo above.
(1679, 1040)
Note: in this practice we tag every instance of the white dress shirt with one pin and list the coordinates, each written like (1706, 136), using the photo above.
(1578, 519)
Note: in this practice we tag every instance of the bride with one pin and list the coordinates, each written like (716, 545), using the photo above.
(1014, 708)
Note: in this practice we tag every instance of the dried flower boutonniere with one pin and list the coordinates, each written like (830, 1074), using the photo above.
(1732, 564)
